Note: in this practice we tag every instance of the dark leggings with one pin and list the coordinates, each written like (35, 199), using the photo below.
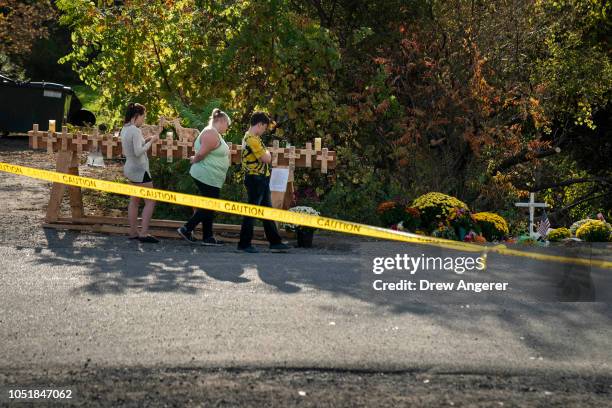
(203, 216)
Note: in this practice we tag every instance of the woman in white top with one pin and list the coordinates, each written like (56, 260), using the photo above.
(136, 169)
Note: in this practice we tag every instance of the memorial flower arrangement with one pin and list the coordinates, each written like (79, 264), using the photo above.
(576, 226)
(558, 234)
(462, 220)
(304, 234)
(474, 237)
(594, 231)
(302, 209)
(435, 207)
(461, 217)
(445, 231)
(494, 227)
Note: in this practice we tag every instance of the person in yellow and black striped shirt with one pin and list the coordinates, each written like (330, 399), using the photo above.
(252, 150)
(255, 162)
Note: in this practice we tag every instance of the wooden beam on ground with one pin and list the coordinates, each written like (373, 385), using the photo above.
(164, 224)
(124, 230)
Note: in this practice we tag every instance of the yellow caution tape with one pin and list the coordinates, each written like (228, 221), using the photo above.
(284, 216)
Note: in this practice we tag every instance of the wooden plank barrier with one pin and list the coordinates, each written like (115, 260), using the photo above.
(70, 146)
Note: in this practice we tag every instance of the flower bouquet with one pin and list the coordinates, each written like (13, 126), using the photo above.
(462, 222)
(304, 234)
(444, 231)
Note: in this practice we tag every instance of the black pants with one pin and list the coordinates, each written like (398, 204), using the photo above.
(204, 216)
(258, 189)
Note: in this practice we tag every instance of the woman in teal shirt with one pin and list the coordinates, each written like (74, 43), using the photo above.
(208, 169)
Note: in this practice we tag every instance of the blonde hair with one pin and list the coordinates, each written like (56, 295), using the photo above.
(218, 114)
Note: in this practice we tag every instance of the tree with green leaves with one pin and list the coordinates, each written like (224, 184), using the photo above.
(22, 23)
(181, 55)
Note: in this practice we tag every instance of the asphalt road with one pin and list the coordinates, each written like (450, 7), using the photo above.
(119, 303)
(99, 307)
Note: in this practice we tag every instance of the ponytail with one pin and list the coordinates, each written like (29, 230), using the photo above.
(133, 110)
(218, 114)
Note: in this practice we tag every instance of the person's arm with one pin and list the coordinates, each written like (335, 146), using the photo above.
(266, 158)
(209, 141)
(140, 145)
(259, 151)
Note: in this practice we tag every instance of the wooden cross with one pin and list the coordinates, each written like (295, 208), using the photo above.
(291, 155)
(79, 141)
(308, 152)
(64, 139)
(323, 157)
(95, 140)
(109, 141)
(34, 135)
(51, 139)
(185, 147)
(275, 150)
(235, 152)
(170, 147)
(532, 206)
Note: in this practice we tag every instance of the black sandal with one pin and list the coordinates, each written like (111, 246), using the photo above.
(149, 239)
(134, 237)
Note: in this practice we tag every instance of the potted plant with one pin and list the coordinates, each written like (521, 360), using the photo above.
(304, 234)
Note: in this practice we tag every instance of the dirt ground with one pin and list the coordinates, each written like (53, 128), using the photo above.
(190, 387)
(33, 194)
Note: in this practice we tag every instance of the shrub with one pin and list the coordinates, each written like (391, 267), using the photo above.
(357, 201)
(493, 226)
(435, 207)
(594, 231)
(393, 213)
(412, 218)
(558, 234)
(390, 213)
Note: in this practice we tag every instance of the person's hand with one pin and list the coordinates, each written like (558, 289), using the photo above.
(192, 160)
(154, 139)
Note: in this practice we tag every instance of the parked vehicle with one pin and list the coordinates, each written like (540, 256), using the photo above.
(23, 104)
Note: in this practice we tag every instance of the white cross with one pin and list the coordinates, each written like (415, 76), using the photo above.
(532, 206)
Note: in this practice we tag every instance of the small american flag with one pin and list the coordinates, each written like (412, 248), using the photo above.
(543, 226)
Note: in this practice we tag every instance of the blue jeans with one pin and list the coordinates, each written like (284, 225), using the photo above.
(258, 190)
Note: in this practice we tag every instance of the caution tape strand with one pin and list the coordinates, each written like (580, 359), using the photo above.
(279, 215)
